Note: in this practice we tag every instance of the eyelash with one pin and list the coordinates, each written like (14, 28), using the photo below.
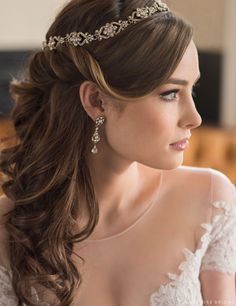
(175, 91)
(168, 93)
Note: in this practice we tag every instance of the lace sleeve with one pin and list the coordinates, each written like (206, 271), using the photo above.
(221, 252)
(7, 296)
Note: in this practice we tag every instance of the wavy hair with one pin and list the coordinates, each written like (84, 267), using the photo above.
(48, 174)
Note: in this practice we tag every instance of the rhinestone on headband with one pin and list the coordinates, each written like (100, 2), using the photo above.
(108, 30)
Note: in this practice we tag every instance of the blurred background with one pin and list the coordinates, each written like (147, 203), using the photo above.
(23, 25)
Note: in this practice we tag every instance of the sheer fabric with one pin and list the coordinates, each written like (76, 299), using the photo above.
(140, 266)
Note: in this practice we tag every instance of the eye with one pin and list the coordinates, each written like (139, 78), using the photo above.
(194, 94)
(170, 95)
(193, 90)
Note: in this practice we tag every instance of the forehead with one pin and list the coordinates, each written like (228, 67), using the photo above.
(188, 68)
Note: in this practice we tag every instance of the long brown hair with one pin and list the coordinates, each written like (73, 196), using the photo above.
(48, 175)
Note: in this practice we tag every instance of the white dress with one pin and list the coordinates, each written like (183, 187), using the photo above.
(215, 250)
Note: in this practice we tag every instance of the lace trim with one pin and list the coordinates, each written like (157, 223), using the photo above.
(188, 279)
(221, 254)
(7, 295)
(189, 273)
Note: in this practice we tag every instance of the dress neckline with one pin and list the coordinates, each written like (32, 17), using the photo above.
(139, 219)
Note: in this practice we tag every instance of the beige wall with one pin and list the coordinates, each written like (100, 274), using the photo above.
(207, 18)
(228, 105)
(23, 23)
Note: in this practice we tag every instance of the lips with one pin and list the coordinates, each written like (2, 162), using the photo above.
(181, 145)
(180, 141)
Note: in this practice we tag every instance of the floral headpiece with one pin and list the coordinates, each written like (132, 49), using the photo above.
(108, 30)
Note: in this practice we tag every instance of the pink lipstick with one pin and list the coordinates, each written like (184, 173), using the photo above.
(180, 145)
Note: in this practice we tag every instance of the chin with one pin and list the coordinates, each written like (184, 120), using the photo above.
(165, 165)
(172, 163)
(168, 162)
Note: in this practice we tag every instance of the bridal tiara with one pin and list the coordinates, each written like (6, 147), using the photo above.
(108, 30)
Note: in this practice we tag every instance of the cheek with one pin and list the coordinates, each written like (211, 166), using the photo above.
(142, 132)
(123, 134)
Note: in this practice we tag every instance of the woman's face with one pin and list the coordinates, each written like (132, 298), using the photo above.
(146, 129)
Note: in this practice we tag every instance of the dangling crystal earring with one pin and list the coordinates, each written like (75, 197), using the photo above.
(96, 138)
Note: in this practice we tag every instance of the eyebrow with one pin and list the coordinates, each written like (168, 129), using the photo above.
(179, 81)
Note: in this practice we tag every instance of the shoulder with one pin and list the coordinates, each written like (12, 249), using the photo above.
(222, 189)
(6, 205)
(200, 190)
(205, 180)
(190, 182)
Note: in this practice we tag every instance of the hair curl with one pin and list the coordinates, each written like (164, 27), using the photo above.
(48, 175)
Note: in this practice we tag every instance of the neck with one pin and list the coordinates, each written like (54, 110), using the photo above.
(115, 183)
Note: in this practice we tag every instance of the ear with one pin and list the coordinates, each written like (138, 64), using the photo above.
(91, 99)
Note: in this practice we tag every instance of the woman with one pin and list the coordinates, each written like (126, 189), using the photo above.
(98, 209)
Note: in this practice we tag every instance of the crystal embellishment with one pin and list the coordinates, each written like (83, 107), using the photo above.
(96, 138)
(100, 120)
(94, 150)
(108, 30)
(143, 13)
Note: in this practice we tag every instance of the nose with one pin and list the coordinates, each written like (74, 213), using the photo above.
(190, 118)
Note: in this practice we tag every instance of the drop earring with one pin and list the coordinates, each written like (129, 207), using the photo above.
(96, 138)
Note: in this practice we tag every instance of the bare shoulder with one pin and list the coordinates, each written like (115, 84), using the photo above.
(200, 174)
(184, 171)
(194, 179)
(190, 188)
(6, 205)
(204, 180)
(200, 187)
